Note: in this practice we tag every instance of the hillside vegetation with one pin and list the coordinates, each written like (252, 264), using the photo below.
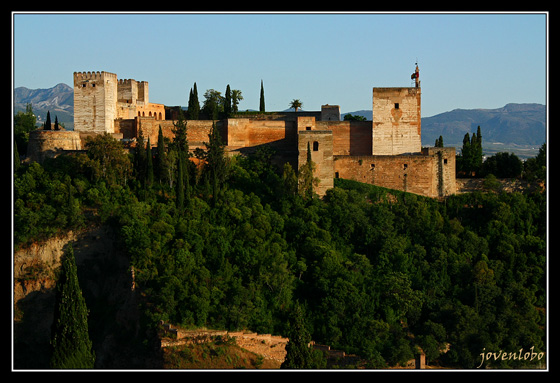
(232, 244)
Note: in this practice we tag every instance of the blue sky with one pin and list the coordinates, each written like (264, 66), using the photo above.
(466, 60)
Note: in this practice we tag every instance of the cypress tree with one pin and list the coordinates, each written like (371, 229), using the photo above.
(70, 341)
(140, 158)
(261, 106)
(195, 104)
(161, 159)
(56, 123)
(149, 164)
(179, 189)
(48, 122)
(227, 103)
(298, 353)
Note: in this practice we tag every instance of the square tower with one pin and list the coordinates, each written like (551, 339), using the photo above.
(319, 143)
(396, 121)
(95, 102)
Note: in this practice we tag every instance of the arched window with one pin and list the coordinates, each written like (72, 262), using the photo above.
(315, 146)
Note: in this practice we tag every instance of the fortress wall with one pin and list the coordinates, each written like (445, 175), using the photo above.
(349, 137)
(48, 143)
(410, 173)
(245, 132)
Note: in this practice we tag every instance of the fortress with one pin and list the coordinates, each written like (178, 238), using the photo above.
(386, 151)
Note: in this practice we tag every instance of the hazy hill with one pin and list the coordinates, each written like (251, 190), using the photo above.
(519, 124)
(59, 100)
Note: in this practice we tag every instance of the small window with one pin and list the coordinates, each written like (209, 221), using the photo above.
(405, 166)
(336, 175)
(83, 85)
(308, 128)
(445, 161)
(396, 105)
(372, 167)
(315, 146)
(93, 85)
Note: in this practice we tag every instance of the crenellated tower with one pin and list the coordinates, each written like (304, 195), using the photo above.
(95, 102)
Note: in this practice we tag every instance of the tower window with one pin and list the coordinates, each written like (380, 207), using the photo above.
(315, 146)
(405, 166)
(93, 85)
(83, 85)
(396, 105)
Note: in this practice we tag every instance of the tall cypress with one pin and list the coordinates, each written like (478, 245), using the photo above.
(227, 102)
(179, 189)
(149, 164)
(48, 125)
(70, 341)
(261, 106)
(161, 159)
(195, 104)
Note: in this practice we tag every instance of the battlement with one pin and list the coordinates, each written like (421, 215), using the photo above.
(85, 76)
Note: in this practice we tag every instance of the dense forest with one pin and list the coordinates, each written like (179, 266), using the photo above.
(233, 243)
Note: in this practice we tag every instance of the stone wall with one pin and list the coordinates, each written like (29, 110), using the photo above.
(396, 121)
(428, 174)
(49, 143)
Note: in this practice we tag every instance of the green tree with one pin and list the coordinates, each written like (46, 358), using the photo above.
(161, 158)
(107, 159)
(180, 188)
(216, 161)
(261, 104)
(350, 117)
(149, 164)
(439, 142)
(140, 158)
(48, 125)
(236, 96)
(213, 104)
(227, 102)
(56, 127)
(71, 346)
(193, 108)
(17, 161)
(296, 104)
(23, 124)
(298, 352)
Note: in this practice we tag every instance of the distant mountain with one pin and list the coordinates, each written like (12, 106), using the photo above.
(59, 100)
(518, 124)
(514, 124)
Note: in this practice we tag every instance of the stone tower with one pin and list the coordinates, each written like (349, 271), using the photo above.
(320, 143)
(397, 119)
(95, 102)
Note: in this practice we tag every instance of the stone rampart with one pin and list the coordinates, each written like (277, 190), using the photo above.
(50, 143)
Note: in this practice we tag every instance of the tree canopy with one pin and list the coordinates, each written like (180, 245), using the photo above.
(231, 244)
